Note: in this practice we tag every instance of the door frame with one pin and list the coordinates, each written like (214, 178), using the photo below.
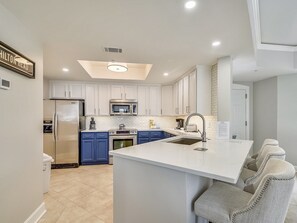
(247, 107)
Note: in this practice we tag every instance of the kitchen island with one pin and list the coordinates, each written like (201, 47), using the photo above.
(159, 181)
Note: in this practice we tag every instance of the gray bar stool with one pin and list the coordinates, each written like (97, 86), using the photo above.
(223, 203)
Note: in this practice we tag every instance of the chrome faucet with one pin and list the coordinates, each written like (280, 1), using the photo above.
(203, 134)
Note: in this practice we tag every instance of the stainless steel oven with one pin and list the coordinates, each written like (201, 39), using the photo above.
(121, 138)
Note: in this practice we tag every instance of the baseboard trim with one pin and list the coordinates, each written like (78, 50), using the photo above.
(37, 214)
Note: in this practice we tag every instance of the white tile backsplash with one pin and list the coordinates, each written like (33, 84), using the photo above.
(142, 122)
(138, 122)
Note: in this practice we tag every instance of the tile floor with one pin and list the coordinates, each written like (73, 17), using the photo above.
(81, 194)
(84, 195)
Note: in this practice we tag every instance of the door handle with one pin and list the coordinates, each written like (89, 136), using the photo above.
(56, 127)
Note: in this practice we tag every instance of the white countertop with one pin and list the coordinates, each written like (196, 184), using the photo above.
(223, 160)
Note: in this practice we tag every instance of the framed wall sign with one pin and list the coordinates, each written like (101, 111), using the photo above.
(15, 61)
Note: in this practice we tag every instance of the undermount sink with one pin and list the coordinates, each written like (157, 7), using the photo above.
(185, 141)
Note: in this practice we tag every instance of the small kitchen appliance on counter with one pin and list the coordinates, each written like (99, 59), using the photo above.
(92, 124)
(179, 123)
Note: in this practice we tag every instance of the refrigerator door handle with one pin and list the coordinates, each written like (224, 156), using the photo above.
(56, 127)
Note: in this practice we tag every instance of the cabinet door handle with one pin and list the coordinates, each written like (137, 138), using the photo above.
(150, 111)
(125, 96)
(69, 94)
(94, 111)
(98, 111)
(65, 94)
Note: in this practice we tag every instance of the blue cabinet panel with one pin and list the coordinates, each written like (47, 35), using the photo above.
(88, 135)
(87, 152)
(142, 134)
(157, 134)
(149, 136)
(101, 153)
(143, 140)
(94, 148)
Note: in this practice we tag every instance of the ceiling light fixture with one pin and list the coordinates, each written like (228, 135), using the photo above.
(165, 74)
(65, 69)
(117, 67)
(190, 4)
(216, 43)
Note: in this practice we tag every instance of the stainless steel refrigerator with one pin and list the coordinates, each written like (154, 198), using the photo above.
(62, 121)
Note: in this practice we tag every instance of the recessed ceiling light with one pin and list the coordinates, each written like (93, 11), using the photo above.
(190, 4)
(65, 69)
(165, 74)
(216, 43)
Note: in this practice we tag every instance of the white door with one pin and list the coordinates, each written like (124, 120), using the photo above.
(142, 97)
(180, 97)
(91, 100)
(186, 109)
(167, 100)
(175, 98)
(76, 91)
(192, 93)
(155, 101)
(130, 92)
(117, 91)
(103, 101)
(59, 90)
(239, 119)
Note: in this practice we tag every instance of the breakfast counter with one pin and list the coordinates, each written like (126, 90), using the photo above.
(159, 181)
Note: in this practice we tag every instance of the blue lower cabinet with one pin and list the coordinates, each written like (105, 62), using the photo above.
(149, 136)
(94, 148)
(142, 140)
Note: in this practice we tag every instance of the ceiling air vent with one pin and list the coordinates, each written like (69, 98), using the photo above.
(112, 50)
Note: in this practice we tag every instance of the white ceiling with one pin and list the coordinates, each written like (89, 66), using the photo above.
(156, 32)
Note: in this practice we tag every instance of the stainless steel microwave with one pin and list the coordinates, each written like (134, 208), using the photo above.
(123, 107)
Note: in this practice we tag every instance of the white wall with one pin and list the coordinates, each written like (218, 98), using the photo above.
(45, 89)
(265, 111)
(20, 128)
(287, 115)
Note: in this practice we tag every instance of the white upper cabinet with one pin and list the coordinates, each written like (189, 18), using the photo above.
(203, 90)
(149, 100)
(167, 100)
(143, 100)
(97, 99)
(104, 97)
(123, 92)
(189, 93)
(58, 90)
(178, 97)
(64, 90)
(91, 105)
(155, 101)
(192, 93)
(185, 91)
